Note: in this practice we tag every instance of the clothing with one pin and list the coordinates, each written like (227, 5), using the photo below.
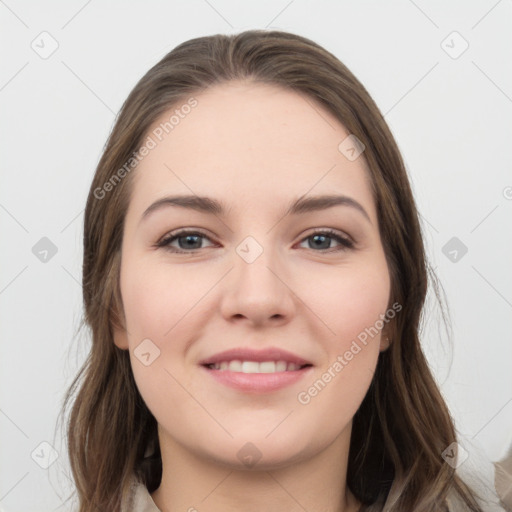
(139, 499)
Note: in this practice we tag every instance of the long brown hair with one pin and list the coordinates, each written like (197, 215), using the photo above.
(403, 424)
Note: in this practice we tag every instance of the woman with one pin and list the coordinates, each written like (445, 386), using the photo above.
(254, 277)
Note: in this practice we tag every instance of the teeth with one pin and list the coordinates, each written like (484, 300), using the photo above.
(255, 367)
(250, 367)
(235, 366)
(281, 366)
(267, 367)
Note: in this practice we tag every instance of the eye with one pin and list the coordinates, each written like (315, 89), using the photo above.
(188, 241)
(322, 240)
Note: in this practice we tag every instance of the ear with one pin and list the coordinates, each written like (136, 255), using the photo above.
(118, 322)
(120, 338)
(119, 331)
(385, 338)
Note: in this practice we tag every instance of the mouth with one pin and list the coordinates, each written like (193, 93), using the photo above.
(256, 371)
(256, 367)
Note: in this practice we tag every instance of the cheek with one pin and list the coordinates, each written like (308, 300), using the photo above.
(158, 300)
(155, 314)
(160, 304)
(349, 302)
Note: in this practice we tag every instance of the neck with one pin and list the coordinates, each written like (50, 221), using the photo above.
(191, 483)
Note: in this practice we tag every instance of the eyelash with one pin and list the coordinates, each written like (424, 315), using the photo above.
(346, 244)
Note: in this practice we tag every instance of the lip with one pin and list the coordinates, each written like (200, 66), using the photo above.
(247, 354)
(256, 382)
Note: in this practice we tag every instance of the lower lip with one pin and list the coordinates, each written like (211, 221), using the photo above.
(257, 382)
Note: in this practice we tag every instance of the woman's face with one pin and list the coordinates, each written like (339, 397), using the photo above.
(261, 279)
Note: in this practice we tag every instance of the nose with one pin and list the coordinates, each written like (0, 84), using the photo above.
(257, 292)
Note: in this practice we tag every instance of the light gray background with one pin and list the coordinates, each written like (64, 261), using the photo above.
(451, 118)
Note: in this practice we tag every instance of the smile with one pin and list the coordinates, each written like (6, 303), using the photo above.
(256, 371)
(256, 367)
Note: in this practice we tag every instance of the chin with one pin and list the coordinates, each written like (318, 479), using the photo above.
(252, 450)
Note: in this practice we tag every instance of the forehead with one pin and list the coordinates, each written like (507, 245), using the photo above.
(250, 140)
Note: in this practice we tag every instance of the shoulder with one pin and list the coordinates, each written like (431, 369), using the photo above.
(139, 499)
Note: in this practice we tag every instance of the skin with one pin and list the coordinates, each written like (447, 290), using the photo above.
(256, 148)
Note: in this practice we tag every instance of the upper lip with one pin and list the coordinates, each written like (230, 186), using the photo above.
(247, 354)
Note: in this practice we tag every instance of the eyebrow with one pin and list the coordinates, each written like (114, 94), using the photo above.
(212, 206)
